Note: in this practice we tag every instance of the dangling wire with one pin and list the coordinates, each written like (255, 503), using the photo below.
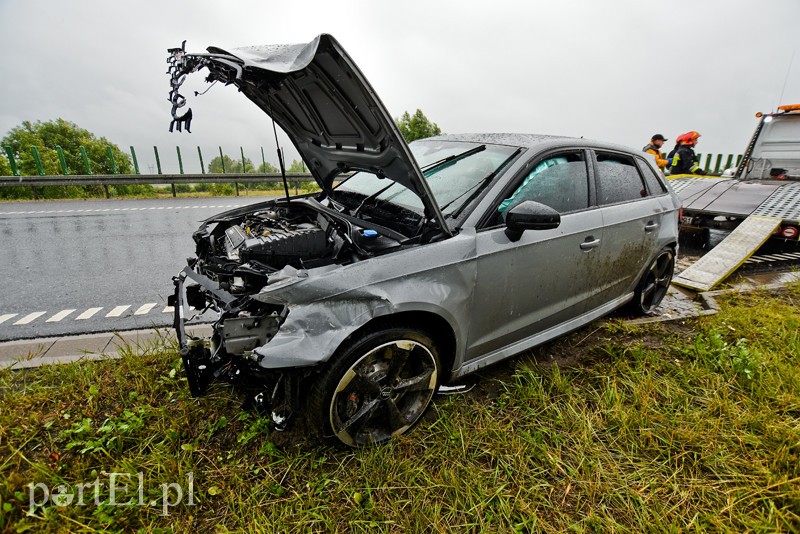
(207, 90)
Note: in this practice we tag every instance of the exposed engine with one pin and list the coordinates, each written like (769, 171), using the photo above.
(267, 238)
(240, 252)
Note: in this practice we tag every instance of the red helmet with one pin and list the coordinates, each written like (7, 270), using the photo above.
(689, 138)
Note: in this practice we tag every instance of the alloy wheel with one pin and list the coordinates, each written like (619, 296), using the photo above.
(383, 393)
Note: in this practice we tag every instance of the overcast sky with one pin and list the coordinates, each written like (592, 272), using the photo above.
(616, 70)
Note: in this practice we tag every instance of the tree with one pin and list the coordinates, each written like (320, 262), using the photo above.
(297, 166)
(46, 136)
(417, 126)
(231, 165)
(5, 166)
(268, 168)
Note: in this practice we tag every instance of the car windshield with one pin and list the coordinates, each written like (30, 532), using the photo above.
(449, 181)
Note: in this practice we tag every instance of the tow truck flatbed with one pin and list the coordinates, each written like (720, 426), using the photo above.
(726, 202)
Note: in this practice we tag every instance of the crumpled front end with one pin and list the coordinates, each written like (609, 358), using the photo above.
(269, 341)
(227, 355)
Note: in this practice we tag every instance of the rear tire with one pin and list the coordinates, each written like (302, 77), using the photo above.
(654, 284)
(376, 387)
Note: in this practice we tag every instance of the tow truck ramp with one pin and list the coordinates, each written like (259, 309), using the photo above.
(727, 256)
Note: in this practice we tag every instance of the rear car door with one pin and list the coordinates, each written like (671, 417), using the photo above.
(525, 287)
(632, 209)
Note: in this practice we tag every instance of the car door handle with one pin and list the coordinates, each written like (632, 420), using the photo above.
(589, 243)
(650, 226)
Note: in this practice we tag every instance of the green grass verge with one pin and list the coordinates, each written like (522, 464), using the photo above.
(654, 428)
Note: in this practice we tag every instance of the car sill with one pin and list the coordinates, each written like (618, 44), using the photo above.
(542, 337)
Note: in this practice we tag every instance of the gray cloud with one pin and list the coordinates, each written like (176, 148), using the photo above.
(617, 70)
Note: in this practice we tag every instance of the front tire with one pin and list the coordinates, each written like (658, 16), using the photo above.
(654, 284)
(377, 387)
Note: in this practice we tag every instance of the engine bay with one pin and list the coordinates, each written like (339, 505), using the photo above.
(240, 251)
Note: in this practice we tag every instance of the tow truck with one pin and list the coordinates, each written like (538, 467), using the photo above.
(756, 201)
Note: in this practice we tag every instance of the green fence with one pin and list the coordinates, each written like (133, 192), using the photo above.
(87, 175)
(717, 163)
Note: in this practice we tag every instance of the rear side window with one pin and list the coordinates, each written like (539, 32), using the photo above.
(618, 179)
(654, 185)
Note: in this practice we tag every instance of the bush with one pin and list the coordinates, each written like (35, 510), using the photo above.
(221, 190)
(139, 190)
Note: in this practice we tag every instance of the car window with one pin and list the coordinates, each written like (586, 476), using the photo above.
(449, 183)
(654, 185)
(618, 179)
(559, 181)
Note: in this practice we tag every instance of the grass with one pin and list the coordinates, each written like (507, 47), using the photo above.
(687, 427)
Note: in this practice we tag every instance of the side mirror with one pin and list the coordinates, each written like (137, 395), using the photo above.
(530, 215)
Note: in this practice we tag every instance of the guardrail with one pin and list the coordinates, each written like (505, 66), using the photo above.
(106, 180)
(90, 178)
(135, 179)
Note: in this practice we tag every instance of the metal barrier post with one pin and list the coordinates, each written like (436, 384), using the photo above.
(158, 160)
(708, 163)
(135, 161)
(11, 160)
(86, 165)
(729, 161)
(62, 160)
(37, 160)
(39, 168)
(180, 168)
(263, 160)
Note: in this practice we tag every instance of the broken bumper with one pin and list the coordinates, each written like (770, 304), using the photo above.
(196, 356)
(242, 326)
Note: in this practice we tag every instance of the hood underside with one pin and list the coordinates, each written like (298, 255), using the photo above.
(323, 102)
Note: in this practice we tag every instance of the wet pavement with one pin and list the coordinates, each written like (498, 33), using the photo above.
(83, 266)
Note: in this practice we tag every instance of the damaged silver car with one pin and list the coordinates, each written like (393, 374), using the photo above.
(417, 263)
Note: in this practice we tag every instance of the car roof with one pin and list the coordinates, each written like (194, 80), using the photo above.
(535, 141)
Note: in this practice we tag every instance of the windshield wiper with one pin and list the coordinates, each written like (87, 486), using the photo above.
(477, 188)
(373, 196)
(450, 160)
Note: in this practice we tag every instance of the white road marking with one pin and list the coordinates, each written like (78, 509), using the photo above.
(119, 310)
(59, 316)
(168, 309)
(88, 313)
(6, 317)
(144, 309)
(29, 318)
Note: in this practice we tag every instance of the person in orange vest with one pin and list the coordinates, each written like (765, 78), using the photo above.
(684, 160)
(654, 148)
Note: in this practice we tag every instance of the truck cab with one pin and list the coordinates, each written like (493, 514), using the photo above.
(774, 151)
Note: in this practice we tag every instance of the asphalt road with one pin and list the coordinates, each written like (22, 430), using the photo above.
(72, 267)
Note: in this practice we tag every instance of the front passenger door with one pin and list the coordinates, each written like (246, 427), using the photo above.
(528, 286)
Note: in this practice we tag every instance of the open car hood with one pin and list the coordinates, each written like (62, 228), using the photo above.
(323, 102)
